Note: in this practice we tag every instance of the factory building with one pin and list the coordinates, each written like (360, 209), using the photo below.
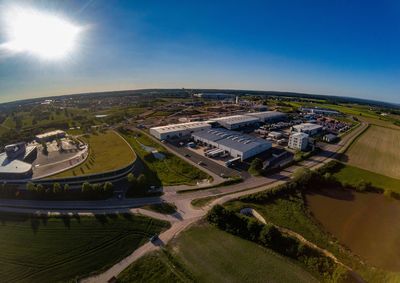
(237, 121)
(298, 141)
(50, 136)
(320, 111)
(178, 130)
(268, 116)
(15, 162)
(235, 144)
(308, 128)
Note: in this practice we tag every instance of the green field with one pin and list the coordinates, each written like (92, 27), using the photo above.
(171, 170)
(352, 175)
(107, 151)
(377, 150)
(206, 254)
(59, 249)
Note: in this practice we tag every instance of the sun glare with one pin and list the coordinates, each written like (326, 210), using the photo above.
(39, 33)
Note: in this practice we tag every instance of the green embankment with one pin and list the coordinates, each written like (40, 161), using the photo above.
(54, 249)
(107, 152)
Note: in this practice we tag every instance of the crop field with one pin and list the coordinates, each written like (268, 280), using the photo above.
(205, 254)
(377, 151)
(212, 255)
(169, 170)
(54, 249)
(352, 175)
(107, 151)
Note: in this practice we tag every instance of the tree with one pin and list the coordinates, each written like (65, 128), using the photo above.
(131, 178)
(30, 186)
(86, 187)
(57, 188)
(66, 188)
(256, 166)
(107, 186)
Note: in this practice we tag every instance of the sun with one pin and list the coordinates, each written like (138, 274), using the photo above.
(42, 34)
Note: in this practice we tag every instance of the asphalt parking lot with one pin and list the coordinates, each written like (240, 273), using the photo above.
(208, 164)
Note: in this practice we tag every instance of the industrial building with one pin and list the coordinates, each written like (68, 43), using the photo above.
(298, 141)
(15, 162)
(50, 136)
(320, 111)
(237, 121)
(233, 143)
(308, 128)
(178, 130)
(268, 116)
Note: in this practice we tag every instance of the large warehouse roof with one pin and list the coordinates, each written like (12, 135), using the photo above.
(307, 127)
(236, 119)
(265, 115)
(179, 127)
(231, 139)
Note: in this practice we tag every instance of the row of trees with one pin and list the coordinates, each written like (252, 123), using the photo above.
(137, 186)
(271, 237)
(57, 191)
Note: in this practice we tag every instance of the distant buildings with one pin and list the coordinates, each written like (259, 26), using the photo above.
(49, 136)
(320, 111)
(233, 143)
(298, 141)
(214, 95)
(307, 128)
(178, 130)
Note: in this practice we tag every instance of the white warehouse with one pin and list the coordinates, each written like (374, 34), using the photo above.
(298, 141)
(178, 130)
(308, 128)
(236, 121)
(268, 116)
(236, 144)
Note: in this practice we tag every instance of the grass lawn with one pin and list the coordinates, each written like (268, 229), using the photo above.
(60, 249)
(205, 254)
(108, 151)
(377, 150)
(171, 170)
(352, 175)
(159, 266)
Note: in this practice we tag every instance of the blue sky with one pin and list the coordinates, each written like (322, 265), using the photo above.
(348, 48)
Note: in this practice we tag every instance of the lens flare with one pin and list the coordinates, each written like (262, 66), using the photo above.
(39, 33)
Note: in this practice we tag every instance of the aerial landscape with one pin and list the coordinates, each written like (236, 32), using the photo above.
(152, 141)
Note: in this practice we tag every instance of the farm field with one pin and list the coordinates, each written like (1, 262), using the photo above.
(377, 150)
(358, 220)
(167, 170)
(352, 175)
(107, 151)
(207, 254)
(54, 249)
